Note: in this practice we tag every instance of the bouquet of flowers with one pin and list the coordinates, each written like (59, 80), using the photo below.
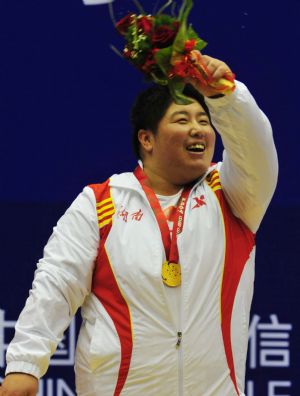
(166, 50)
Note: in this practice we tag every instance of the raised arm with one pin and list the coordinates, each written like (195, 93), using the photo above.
(249, 169)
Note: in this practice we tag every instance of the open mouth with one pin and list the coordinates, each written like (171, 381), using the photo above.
(196, 148)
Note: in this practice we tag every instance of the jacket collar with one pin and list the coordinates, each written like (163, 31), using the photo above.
(127, 180)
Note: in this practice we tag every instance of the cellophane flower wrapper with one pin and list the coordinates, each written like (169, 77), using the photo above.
(166, 50)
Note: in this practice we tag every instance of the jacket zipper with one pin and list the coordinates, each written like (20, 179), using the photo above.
(179, 347)
(180, 363)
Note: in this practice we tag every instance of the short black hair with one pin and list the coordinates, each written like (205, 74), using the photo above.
(151, 105)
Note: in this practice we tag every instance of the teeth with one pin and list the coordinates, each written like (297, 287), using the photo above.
(196, 147)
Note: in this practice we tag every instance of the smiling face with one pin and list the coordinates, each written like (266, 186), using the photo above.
(182, 148)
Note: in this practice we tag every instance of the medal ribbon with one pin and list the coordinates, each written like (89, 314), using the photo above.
(171, 247)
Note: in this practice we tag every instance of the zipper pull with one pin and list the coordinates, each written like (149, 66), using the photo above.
(179, 335)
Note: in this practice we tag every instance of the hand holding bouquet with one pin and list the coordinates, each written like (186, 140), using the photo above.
(167, 51)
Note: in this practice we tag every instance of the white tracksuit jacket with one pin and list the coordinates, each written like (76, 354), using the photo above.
(128, 343)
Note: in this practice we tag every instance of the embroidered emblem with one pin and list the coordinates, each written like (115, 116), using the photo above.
(126, 216)
(123, 214)
(199, 201)
(137, 215)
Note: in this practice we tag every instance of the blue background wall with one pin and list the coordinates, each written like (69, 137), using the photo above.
(64, 103)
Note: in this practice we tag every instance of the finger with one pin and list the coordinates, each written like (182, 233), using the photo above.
(216, 67)
(212, 64)
(206, 59)
(221, 71)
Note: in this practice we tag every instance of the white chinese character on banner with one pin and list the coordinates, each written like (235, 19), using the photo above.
(54, 387)
(272, 341)
(274, 388)
(273, 385)
(65, 352)
(4, 325)
(250, 388)
(64, 355)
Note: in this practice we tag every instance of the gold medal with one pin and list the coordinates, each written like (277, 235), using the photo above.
(171, 270)
(171, 274)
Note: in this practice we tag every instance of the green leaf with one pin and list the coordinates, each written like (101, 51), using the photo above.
(163, 57)
(180, 39)
(163, 19)
(200, 44)
(176, 87)
(182, 35)
(185, 10)
(158, 80)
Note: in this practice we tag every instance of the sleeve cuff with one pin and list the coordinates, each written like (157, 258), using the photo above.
(23, 367)
(218, 102)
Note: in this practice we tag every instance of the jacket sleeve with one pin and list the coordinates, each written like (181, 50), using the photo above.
(249, 168)
(62, 281)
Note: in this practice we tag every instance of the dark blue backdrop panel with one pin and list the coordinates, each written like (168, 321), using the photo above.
(65, 95)
(64, 118)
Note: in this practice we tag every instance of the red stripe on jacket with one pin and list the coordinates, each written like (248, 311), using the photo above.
(107, 290)
(240, 241)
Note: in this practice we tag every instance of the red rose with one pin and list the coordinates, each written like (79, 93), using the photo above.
(164, 36)
(189, 45)
(145, 23)
(124, 23)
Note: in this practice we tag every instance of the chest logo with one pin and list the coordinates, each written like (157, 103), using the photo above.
(125, 215)
(137, 216)
(199, 202)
